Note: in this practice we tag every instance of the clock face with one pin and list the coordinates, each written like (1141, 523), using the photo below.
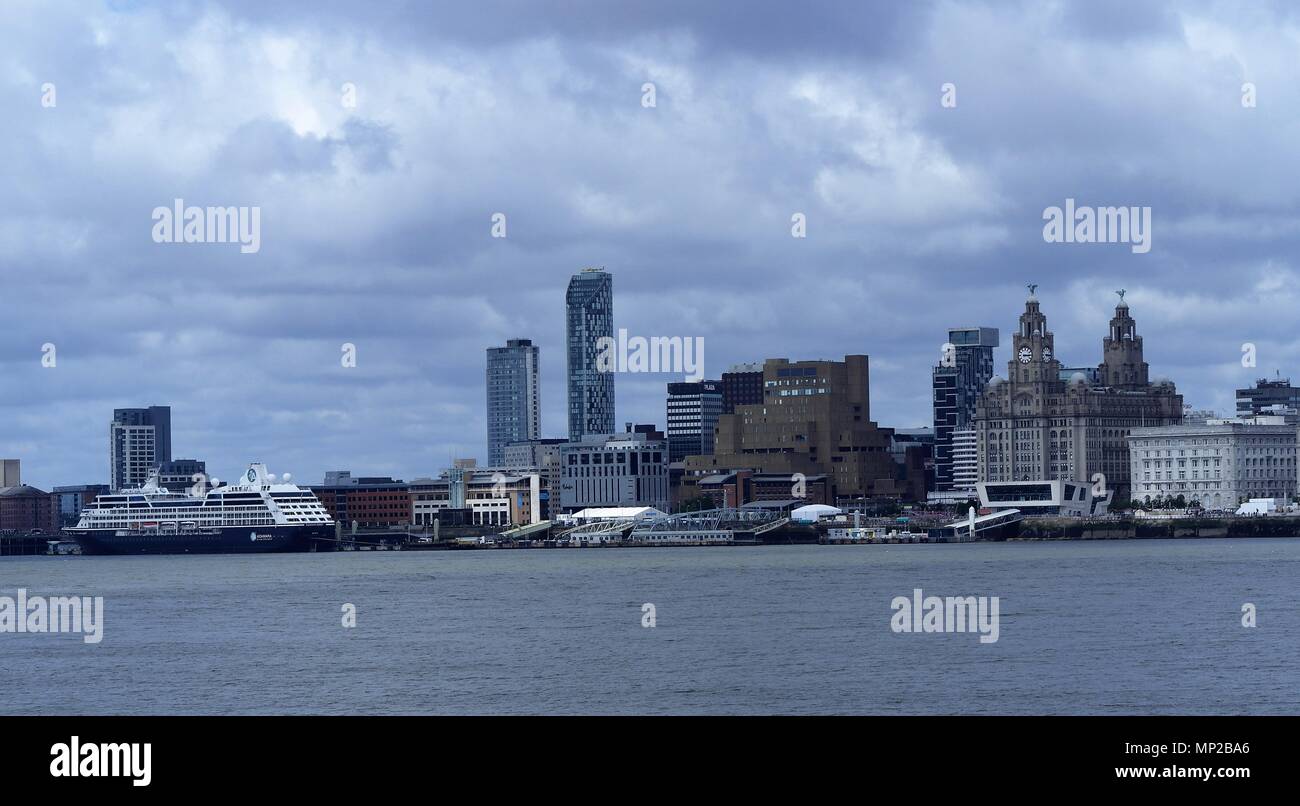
(1047, 353)
(1025, 355)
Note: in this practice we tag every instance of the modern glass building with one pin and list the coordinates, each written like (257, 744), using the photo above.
(513, 407)
(590, 301)
(693, 411)
(1270, 396)
(962, 373)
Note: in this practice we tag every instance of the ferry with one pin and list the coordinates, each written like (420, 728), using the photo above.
(874, 535)
(258, 514)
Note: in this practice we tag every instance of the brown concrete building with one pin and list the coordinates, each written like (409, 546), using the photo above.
(815, 419)
(26, 509)
(746, 486)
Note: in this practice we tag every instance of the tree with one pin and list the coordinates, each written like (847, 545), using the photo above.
(696, 504)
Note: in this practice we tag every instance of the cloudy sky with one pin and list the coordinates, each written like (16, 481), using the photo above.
(376, 216)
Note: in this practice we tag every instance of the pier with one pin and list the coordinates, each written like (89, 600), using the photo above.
(15, 544)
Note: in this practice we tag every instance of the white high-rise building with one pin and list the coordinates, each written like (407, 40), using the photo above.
(139, 441)
(965, 459)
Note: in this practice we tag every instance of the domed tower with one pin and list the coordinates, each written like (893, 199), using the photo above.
(1122, 366)
(1032, 359)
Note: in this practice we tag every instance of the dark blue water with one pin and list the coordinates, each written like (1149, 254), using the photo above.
(1086, 628)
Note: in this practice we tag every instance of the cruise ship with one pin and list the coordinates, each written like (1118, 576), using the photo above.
(255, 515)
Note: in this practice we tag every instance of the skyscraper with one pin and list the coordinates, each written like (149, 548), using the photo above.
(590, 301)
(513, 409)
(693, 411)
(139, 440)
(957, 381)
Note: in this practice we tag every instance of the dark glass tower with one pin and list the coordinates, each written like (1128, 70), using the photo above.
(957, 383)
(590, 301)
(693, 411)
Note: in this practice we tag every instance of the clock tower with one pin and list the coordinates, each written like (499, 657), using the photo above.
(1037, 426)
(1033, 357)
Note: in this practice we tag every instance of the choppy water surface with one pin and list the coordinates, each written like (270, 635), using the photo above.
(1150, 626)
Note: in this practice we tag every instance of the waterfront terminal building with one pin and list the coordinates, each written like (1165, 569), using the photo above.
(615, 470)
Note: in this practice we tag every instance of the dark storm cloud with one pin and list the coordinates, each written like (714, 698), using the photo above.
(376, 214)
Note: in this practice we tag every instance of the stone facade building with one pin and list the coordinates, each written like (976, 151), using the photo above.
(1219, 464)
(1035, 425)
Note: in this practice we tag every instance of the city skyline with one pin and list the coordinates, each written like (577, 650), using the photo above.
(377, 218)
(538, 381)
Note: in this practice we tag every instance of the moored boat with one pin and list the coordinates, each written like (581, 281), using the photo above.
(259, 514)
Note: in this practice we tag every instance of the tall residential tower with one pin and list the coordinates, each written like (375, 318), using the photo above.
(590, 316)
(965, 367)
(139, 440)
(513, 410)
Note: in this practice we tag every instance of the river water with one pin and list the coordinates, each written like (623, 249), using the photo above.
(1123, 627)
